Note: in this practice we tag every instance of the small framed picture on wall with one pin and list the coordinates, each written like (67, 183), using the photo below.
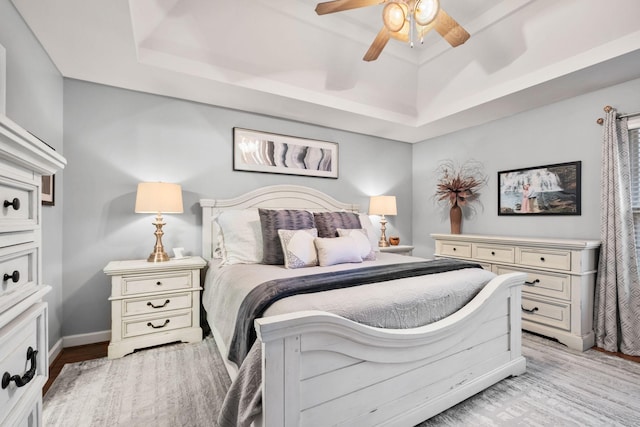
(48, 190)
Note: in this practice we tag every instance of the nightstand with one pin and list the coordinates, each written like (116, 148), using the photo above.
(154, 303)
(398, 249)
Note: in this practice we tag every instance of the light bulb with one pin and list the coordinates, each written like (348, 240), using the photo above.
(426, 11)
(393, 16)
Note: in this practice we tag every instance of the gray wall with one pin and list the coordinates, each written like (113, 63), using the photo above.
(562, 132)
(116, 138)
(34, 101)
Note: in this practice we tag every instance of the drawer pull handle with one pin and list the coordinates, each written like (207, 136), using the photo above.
(532, 283)
(21, 381)
(454, 249)
(533, 310)
(15, 203)
(166, 322)
(150, 304)
(159, 283)
(542, 258)
(493, 253)
(15, 276)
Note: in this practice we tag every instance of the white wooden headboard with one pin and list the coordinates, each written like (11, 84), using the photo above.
(271, 197)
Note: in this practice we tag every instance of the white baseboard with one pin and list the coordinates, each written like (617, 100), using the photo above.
(83, 339)
(55, 351)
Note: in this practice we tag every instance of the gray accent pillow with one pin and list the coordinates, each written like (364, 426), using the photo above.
(328, 223)
(273, 220)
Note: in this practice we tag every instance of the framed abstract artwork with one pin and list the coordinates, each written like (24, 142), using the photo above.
(540, 190)
(255, 151)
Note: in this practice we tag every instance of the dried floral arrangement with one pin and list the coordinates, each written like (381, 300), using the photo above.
(459, 184)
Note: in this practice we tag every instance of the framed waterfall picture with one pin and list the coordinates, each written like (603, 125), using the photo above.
(540, 190)
(255, 151)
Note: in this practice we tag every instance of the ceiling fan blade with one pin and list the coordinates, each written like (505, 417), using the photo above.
(340, 5)
(378, 44)
(450, 30)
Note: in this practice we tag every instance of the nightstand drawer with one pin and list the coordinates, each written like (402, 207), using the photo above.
(552, 313)
(155, 324)
(457, 249)
(547, 284)
(560, 260)
(156, 304)
(140, 284)
(493, 253)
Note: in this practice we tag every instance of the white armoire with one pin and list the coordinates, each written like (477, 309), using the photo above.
(24, 347)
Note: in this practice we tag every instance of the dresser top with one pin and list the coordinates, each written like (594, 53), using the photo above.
(515, 240)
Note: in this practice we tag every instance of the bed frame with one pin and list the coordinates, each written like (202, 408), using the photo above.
(322, 369)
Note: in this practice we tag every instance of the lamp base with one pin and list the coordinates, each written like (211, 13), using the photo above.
(383, 242)
(158, 256)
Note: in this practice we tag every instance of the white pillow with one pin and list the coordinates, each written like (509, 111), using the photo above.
(337, 250)
(241, 236)
(372, 233)
(298, 247)
(361, 237)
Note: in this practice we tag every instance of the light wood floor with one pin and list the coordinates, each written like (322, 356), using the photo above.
(98, 350)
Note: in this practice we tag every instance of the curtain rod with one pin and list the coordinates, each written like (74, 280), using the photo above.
(608, 108)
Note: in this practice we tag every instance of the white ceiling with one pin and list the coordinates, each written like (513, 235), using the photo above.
(277, 57)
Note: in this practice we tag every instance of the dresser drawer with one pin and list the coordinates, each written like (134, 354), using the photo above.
(493, 253)
(539, 283)
(559, 260)
(139, 284)
(546, 312)
(152, 324)
(155, 304)
(20, 211)
(25, 331)
(17, 271)
(457, 249)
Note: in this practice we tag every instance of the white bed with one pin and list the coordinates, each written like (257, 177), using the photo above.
(319, 368)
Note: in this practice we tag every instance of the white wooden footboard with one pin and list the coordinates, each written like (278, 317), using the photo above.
(320, 369)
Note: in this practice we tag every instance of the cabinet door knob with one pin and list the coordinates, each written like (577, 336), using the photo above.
(493, 253)
(542, 258)
(21, 381)
(454, 249)
(158, 283)
(15, 203)
(15, 276)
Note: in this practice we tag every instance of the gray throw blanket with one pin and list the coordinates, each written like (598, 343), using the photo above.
(265, 294)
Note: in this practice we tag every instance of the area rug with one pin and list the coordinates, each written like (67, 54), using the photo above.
(184, 385)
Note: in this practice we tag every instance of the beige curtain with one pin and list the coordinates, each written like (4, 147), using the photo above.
(617, 298)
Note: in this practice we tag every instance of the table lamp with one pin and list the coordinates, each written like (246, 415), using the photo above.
(158, 198)
(383, 205)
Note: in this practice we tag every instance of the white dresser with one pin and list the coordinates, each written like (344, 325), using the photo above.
(154, 303)
(557, 298)
(24, 347)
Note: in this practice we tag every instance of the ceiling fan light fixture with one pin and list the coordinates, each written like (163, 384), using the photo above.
(426, 11)
(393, 16)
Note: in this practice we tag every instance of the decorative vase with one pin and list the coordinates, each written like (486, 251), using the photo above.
(394, 240)
(455, 216)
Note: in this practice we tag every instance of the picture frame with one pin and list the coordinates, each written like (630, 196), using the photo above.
(48, 190)
(541, 190)
(255, 151)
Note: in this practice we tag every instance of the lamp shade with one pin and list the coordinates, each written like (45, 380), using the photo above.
(156, 197)
(383, 205)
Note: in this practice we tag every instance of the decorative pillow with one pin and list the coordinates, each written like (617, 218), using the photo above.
(274, 220)
(298, 247)
(371, 231)
(328, 222)
(337, 250)
(362, 240)
(241, 237)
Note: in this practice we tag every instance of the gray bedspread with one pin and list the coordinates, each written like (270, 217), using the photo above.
(262, 296)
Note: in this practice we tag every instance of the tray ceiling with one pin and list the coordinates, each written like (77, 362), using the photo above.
(278, 58)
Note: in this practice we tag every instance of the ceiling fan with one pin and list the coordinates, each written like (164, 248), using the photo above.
(403, 20)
